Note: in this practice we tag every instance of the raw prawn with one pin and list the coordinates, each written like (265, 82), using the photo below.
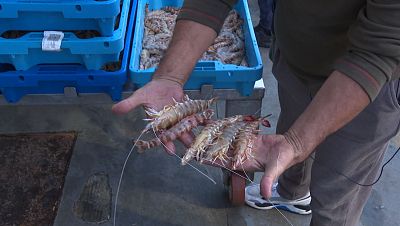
(172, 114)
(206, 137)
(219, 150)
(244, 143)
(186, 125)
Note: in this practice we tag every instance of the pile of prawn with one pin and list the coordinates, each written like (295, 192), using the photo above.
(228, 47)
(215, 142)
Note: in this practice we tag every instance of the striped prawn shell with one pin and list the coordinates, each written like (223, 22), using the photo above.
(186, 125)
(219, 150)
(171, 115)
(206, 137)
(244, 143)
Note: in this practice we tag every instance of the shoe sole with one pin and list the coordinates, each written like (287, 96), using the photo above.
(288, 208)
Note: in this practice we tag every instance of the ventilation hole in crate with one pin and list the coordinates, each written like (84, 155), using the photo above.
(10, 34)
(90, 77)
(6, 67)
(1, 7)
(106, 44)
(22, 78)
(78, 8)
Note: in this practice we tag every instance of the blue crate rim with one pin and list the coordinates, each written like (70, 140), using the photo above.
(60, 6)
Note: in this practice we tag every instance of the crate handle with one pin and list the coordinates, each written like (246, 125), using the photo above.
(58, 69)
(41, 1)
(207, 66)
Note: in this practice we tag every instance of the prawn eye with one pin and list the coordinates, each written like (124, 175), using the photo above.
(266, 123)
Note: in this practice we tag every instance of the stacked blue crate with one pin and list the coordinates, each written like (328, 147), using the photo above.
(26, 51)
(52, 76)
(221, 76)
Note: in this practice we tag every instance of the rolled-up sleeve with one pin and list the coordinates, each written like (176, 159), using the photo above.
(211, 13)
(374, 52)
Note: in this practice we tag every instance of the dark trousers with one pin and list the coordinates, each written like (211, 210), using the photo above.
(356, 151)
(265, 14)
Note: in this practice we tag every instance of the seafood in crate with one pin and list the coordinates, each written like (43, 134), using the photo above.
(228, 47)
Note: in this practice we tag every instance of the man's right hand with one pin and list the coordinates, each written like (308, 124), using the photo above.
(156, 94)
(271, 154)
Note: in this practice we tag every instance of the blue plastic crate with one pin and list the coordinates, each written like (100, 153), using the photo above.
(26, 51)
(52, 79)
(221, 76)
(65, 15)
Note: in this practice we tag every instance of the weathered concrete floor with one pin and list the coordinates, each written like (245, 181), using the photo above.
(156, 190)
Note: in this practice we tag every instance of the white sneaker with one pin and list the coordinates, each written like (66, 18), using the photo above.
(254, 199)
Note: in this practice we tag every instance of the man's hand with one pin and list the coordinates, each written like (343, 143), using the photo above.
(156, 94)
(189, 42)
(273, 154)
(338, 101)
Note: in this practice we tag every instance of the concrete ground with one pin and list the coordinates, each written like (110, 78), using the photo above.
(156, 189)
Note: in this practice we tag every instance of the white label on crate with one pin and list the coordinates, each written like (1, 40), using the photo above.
(52, 40)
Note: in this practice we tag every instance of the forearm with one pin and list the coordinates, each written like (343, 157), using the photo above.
(360, 74)
(338, 101)
(189, 42)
